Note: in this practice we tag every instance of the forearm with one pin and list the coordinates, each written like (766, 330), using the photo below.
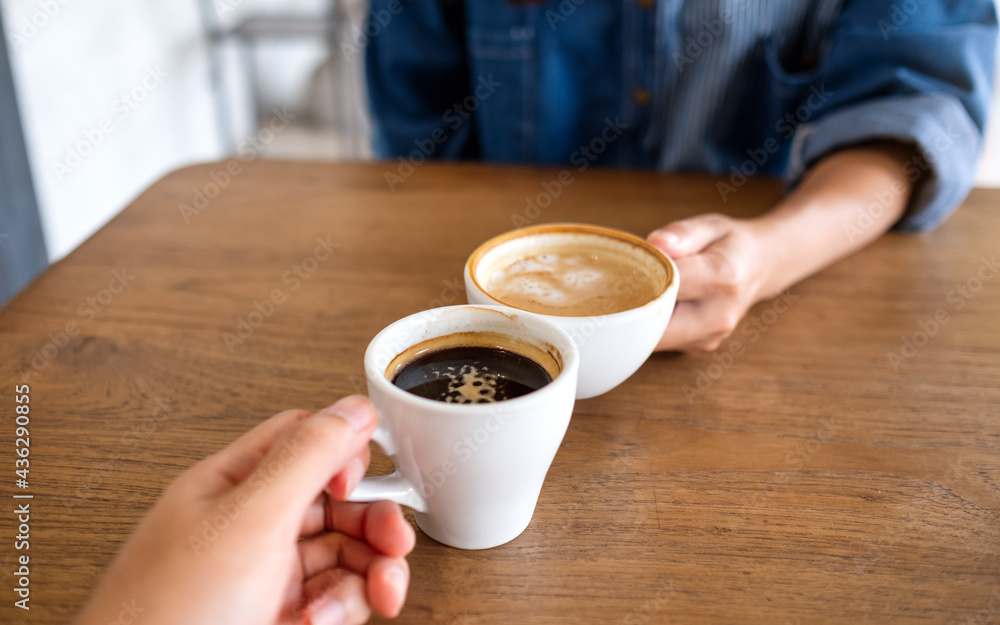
(845, 202)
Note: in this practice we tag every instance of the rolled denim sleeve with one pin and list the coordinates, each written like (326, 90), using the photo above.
(923, 78)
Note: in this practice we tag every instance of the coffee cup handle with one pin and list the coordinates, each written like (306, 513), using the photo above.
(393, 486)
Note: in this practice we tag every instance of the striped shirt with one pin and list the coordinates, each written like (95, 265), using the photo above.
(735, 88)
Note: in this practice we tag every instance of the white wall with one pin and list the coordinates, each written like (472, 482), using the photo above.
(72, 69)
(71, 73)
(988, 174)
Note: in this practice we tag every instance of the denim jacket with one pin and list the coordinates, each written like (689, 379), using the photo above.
(735, 88)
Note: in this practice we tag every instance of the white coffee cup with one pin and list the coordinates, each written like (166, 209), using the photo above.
(471, 472)
(612, 345)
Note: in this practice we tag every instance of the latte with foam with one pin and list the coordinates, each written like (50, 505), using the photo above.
(573, 282)
(572, 271)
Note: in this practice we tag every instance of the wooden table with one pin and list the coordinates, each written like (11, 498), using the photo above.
(810, 478)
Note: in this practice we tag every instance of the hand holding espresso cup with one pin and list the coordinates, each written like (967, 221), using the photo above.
(249, 535)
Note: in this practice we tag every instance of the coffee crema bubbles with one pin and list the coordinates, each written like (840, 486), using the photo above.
(472, 368)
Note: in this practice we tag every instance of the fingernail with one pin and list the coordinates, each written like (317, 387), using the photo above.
(330, 612)
(397, 579)
(357, 471)
(354, 409)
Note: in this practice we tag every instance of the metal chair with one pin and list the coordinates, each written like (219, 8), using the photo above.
(246, 33)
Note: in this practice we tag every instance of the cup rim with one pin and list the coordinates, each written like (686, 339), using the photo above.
(572, 228)
(568, 351)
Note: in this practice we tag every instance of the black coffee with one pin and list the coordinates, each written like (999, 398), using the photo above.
(472, 375)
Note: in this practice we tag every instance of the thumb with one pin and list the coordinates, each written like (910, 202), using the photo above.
(304, 459)
(690, 236)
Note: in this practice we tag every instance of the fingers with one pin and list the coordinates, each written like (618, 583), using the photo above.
(334, 550)
(713, 273)
(314, 520)
(724, 268)
(339, 488)
(387, 578)
(335, 597)
(236, 462)
(682, 328)
(385, 529)
(380, 524)
(697, 326)
(347, 480)
(698, 277)
(690, 236)
(301, 462)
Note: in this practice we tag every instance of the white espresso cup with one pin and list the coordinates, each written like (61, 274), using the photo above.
(616, 320)
(471, 472)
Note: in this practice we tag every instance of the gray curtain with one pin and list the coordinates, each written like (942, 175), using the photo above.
(22, 247)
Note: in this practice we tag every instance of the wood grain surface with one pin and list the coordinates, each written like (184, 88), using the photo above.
(810, 478)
